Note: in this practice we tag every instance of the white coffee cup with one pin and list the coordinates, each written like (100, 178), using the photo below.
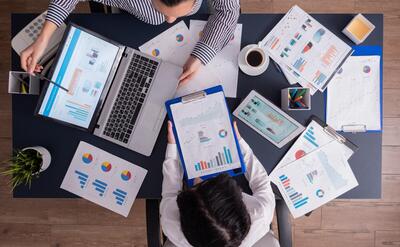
(255, 57)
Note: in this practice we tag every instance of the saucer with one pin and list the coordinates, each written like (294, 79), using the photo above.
(249, 70)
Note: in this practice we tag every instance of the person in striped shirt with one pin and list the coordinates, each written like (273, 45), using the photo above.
(216, 34)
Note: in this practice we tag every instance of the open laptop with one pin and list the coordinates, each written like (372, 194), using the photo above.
(110, 90)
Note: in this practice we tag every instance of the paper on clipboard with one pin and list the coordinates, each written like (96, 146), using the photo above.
(311, 139)
(205, 136)
(353, 96)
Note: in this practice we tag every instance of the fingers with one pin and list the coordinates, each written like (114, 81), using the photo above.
(38, 68)
(237, 130)
(187, 79)
(32, 64)
(24, 59)
(171, 137)
(185, 74)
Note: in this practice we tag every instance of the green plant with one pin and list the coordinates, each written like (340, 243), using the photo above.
(23, 166)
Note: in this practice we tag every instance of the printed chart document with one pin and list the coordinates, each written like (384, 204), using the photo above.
(306, 47)
(311, 139)
(176, 44)
(315, 179)
(103, 178)
(205, 136)
(353, 96)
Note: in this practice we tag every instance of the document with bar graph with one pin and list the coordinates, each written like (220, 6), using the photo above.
(315, 179)
(205, 135)
(103, 178)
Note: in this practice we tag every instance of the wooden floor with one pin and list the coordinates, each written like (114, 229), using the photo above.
(73, 222)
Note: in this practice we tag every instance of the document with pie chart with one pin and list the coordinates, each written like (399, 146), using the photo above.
(103, 178)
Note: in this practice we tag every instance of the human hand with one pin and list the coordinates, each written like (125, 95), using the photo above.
(239, 137)
(31, 55)
(171, 137)
(190, 69)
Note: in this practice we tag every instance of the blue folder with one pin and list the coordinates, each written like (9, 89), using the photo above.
(369, 51)
(204, 93)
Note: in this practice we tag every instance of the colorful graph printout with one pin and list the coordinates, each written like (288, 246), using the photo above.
(108, 181)
(315, 53)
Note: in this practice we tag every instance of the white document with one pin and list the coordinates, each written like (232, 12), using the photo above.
(311, 139)
(172, 45)
(315, 179)
(353, 97)
(306, 47)
(175, 46)
(103, 178)
(225, 64)
(205, 136)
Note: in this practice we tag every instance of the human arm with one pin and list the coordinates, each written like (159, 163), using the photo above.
(218, 31)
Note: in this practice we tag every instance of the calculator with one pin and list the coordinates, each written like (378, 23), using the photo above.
(31, 32)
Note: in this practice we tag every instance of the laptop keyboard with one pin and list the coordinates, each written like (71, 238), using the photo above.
(130, 99)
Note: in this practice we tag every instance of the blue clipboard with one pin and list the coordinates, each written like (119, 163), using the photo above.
(368, 51)
(202, 95)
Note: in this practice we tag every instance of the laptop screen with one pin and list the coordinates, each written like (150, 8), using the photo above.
(83, 68)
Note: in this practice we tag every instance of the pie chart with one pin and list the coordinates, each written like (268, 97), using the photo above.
(106, 166)
(126, 175)
(179, 37)
(223, 133)
(87, 158)
(299, 153)
(155, 52)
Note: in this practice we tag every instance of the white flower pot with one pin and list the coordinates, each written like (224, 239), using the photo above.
(46, 157)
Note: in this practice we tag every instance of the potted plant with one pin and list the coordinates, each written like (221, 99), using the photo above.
(26, 164)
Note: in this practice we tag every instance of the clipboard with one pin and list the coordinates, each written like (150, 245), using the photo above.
(220, 161)
(334, 135)
(360, 127)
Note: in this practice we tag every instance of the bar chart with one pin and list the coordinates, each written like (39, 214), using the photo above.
(222, 158)
(120, 196)
(82, 177)
(100, 186)
(296, 198)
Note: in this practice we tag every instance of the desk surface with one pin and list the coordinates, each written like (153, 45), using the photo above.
(62, 141)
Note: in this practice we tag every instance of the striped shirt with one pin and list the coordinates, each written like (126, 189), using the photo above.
(216, 34)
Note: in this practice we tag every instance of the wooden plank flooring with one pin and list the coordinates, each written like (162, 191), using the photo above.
(76, 222)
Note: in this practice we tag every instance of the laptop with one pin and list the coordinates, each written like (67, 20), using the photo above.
(110, 90)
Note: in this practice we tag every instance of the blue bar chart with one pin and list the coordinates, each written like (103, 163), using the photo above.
(309, 136)
(100, 186)
(120, 196)
(82, 177)
(222, 158)
(296, 198)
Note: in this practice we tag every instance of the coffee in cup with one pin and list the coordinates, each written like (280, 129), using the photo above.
(255, 57)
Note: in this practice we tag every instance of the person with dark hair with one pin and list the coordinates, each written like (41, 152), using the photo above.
(216, 34)
(215, 212)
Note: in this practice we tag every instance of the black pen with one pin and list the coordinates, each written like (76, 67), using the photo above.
(46, 79)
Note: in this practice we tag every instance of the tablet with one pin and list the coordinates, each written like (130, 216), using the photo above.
(268, 120)
(204, 133)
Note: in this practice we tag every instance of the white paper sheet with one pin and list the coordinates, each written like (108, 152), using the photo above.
(307, 47)
(353, 96)
(176, 44)
(315, 179)
(225, 64)
(103, 178)
(311, 139)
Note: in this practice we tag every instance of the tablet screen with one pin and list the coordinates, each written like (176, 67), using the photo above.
(205, 136)
(267, 120)
(83, 68)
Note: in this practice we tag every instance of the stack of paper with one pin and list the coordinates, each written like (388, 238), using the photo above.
(314, 171)
(307, 52)
(103, 178)
(176, 44)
